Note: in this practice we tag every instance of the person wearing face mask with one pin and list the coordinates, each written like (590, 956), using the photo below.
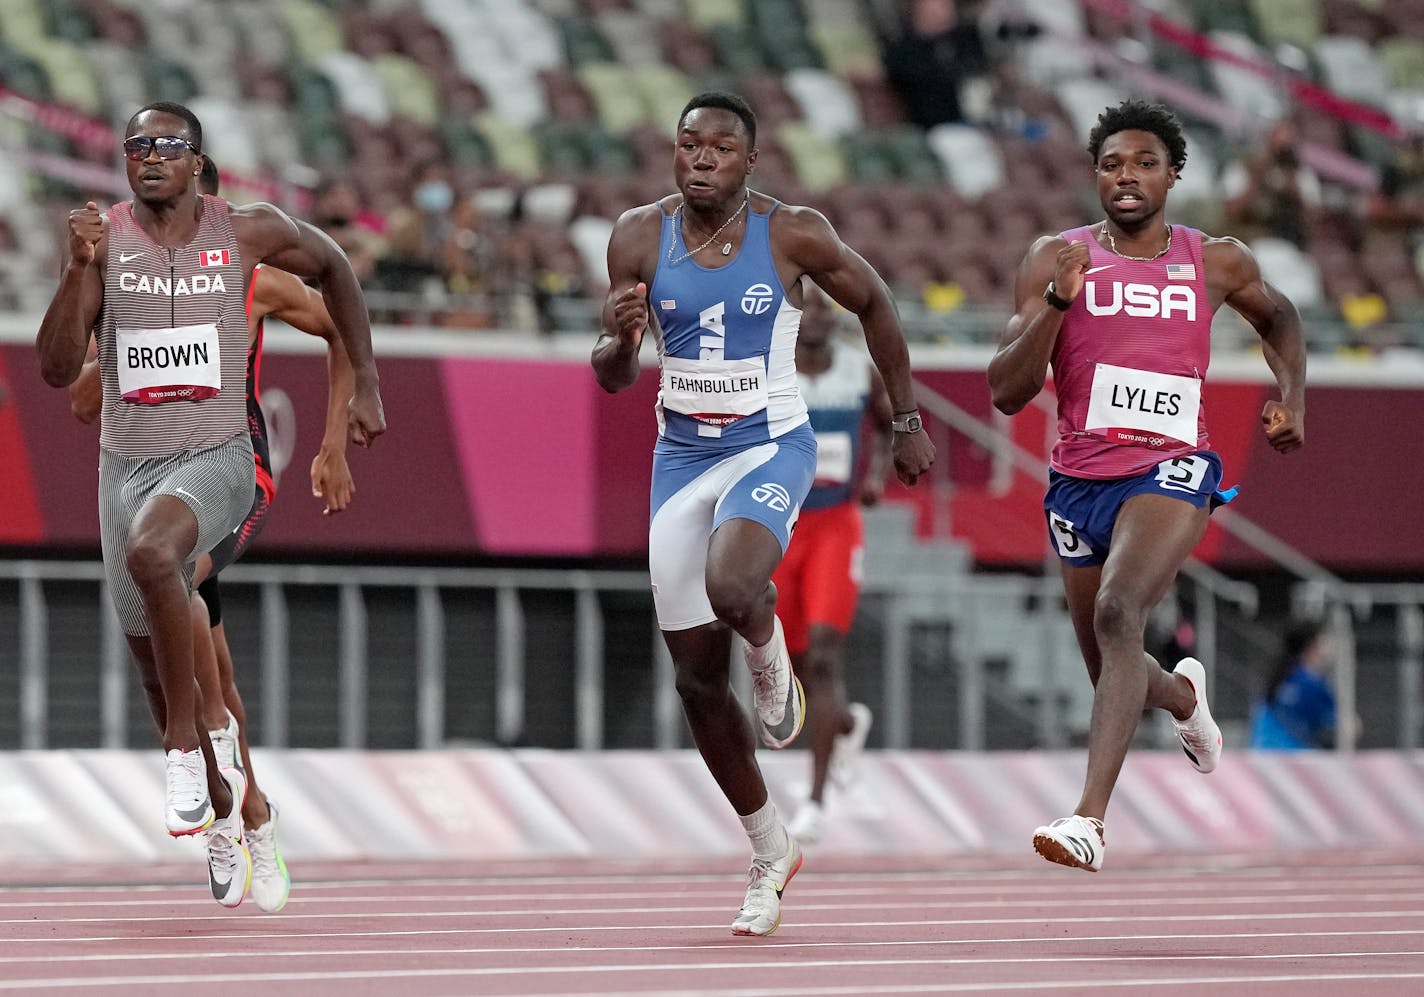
(420, 230)
(337, 210)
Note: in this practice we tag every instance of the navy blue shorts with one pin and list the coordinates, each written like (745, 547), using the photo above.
(1081, 512)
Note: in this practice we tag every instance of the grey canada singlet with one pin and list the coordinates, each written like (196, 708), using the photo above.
(172, 337)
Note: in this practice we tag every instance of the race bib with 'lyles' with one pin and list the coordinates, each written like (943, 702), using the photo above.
(716, 393)
(1143, 408)
(169, 365)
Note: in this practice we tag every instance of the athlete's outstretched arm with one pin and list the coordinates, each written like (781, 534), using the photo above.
(63, 337)
(811, 244)
(625, 309)
(283, 296)
(269, 235)
(1233, 276)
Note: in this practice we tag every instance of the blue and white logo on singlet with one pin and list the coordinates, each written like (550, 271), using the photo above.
(756, 300)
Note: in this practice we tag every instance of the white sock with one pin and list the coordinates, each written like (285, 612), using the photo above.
(768, 836)
(760, 657)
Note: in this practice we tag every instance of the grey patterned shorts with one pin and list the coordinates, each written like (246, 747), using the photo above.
(216, 484)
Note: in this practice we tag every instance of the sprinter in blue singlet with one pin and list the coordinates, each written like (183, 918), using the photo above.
(713, 270)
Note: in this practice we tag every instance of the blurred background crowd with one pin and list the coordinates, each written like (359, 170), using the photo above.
(471, 155)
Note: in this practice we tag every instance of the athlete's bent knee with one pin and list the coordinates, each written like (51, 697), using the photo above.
(150, 562)
(736, 601)
(1117, 618)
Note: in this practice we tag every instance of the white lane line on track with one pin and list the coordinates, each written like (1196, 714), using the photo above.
(226, 923)
(1031, 878)
(776, 945)
(1361, 894)
(487, 972)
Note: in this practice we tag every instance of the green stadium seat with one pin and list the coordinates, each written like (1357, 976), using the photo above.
(819, 161)
(466, 145)
(409, 88)
(914, 160)
(314, 94)
(737, 48)
(665, 91)
(614, 89)
(314, 30)
(870, 160)
(1291, 22)
(23, 74)
(1214, 15)
(845, 48)
(326, 145)
(71, 73)
(516, 150)
(716, 13)
(1403, 60)
(22, 21)
(583, 43)
(68, 21)
(169, 80)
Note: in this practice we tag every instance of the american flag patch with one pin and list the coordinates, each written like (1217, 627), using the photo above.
(1181, 271)
(668, 304)
(214, 258)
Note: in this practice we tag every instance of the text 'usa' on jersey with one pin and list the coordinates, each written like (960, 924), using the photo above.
(726, 344)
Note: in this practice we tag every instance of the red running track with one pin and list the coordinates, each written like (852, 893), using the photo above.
(1299, 925)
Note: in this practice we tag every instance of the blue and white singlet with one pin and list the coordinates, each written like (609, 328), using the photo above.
(727, 344)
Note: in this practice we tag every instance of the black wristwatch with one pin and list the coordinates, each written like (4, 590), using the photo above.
(1051, 296)
(907, 422)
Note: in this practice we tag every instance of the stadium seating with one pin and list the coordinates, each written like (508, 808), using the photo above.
(579, 96)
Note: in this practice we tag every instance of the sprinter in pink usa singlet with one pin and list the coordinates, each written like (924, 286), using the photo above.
(1121, 311)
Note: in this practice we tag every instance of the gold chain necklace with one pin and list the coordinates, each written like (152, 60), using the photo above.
(726, 247)
(1112, 244)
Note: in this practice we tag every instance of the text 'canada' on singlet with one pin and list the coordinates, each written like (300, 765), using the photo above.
(172, 337)
(1130, 360)
(726, 344)
(836, 400)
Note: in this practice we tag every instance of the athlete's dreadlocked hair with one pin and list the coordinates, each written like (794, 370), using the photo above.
(1138, 115)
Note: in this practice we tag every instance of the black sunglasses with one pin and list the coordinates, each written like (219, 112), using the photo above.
(137, 147)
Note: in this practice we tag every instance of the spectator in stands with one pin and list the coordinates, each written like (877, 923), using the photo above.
(939, 50)
(439, 247)
(1297, 709)
(336, 210)
(1398, 201)
(818, 582)
(1270, 192)
(420, 229)
(1122, 309)
(720, 267)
